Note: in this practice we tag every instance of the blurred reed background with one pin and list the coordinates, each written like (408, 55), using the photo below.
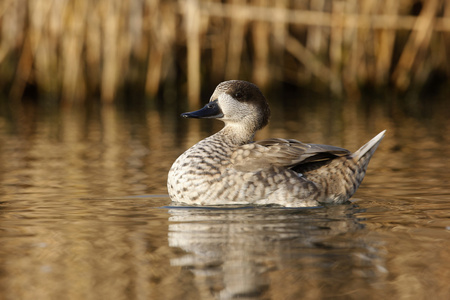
(71, 51)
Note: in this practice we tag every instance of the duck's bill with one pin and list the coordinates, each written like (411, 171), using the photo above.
(210, 110)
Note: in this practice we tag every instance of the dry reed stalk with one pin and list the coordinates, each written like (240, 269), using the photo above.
(160, 28)
(266, 14)
(314, 18)
(385, 46)
(192, 17)
(23, 71)
(109, 51)
(365, 45)
(215, 42)
(9, 14)
(155, 51)
(446, 42)
(419, 39)
(279, 32)
(353, 59)
(154, 69)
(317, 36)
(38, 14)
(238, 28)
(93, 48)
(25, 61)
(336, 36)
(72, 46)
(261, 38)
(315, 41)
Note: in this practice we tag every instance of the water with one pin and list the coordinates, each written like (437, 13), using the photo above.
(84, 212)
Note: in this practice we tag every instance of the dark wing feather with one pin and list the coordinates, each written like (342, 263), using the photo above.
(281, 153)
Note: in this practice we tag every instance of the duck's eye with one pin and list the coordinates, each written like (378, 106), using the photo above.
(238, 95)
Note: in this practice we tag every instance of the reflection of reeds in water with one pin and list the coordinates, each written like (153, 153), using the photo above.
(77, 49)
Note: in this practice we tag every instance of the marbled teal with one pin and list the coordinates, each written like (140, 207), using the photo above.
(230, 168)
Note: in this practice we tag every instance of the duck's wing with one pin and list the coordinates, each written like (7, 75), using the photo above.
(281, 153)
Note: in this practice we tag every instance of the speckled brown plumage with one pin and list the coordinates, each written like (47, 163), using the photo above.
(229, 168)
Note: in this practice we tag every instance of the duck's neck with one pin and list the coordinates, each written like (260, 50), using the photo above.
(236, 134)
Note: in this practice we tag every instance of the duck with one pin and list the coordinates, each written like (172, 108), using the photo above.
(230, 168)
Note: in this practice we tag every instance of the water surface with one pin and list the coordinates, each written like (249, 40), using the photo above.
(84, 212)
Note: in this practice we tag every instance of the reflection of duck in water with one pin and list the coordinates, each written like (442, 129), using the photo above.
(258, 253)
(229, 168)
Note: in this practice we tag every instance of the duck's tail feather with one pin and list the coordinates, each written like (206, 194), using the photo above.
(369, 148)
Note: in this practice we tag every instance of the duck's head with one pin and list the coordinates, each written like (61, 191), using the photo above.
(236, 102)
